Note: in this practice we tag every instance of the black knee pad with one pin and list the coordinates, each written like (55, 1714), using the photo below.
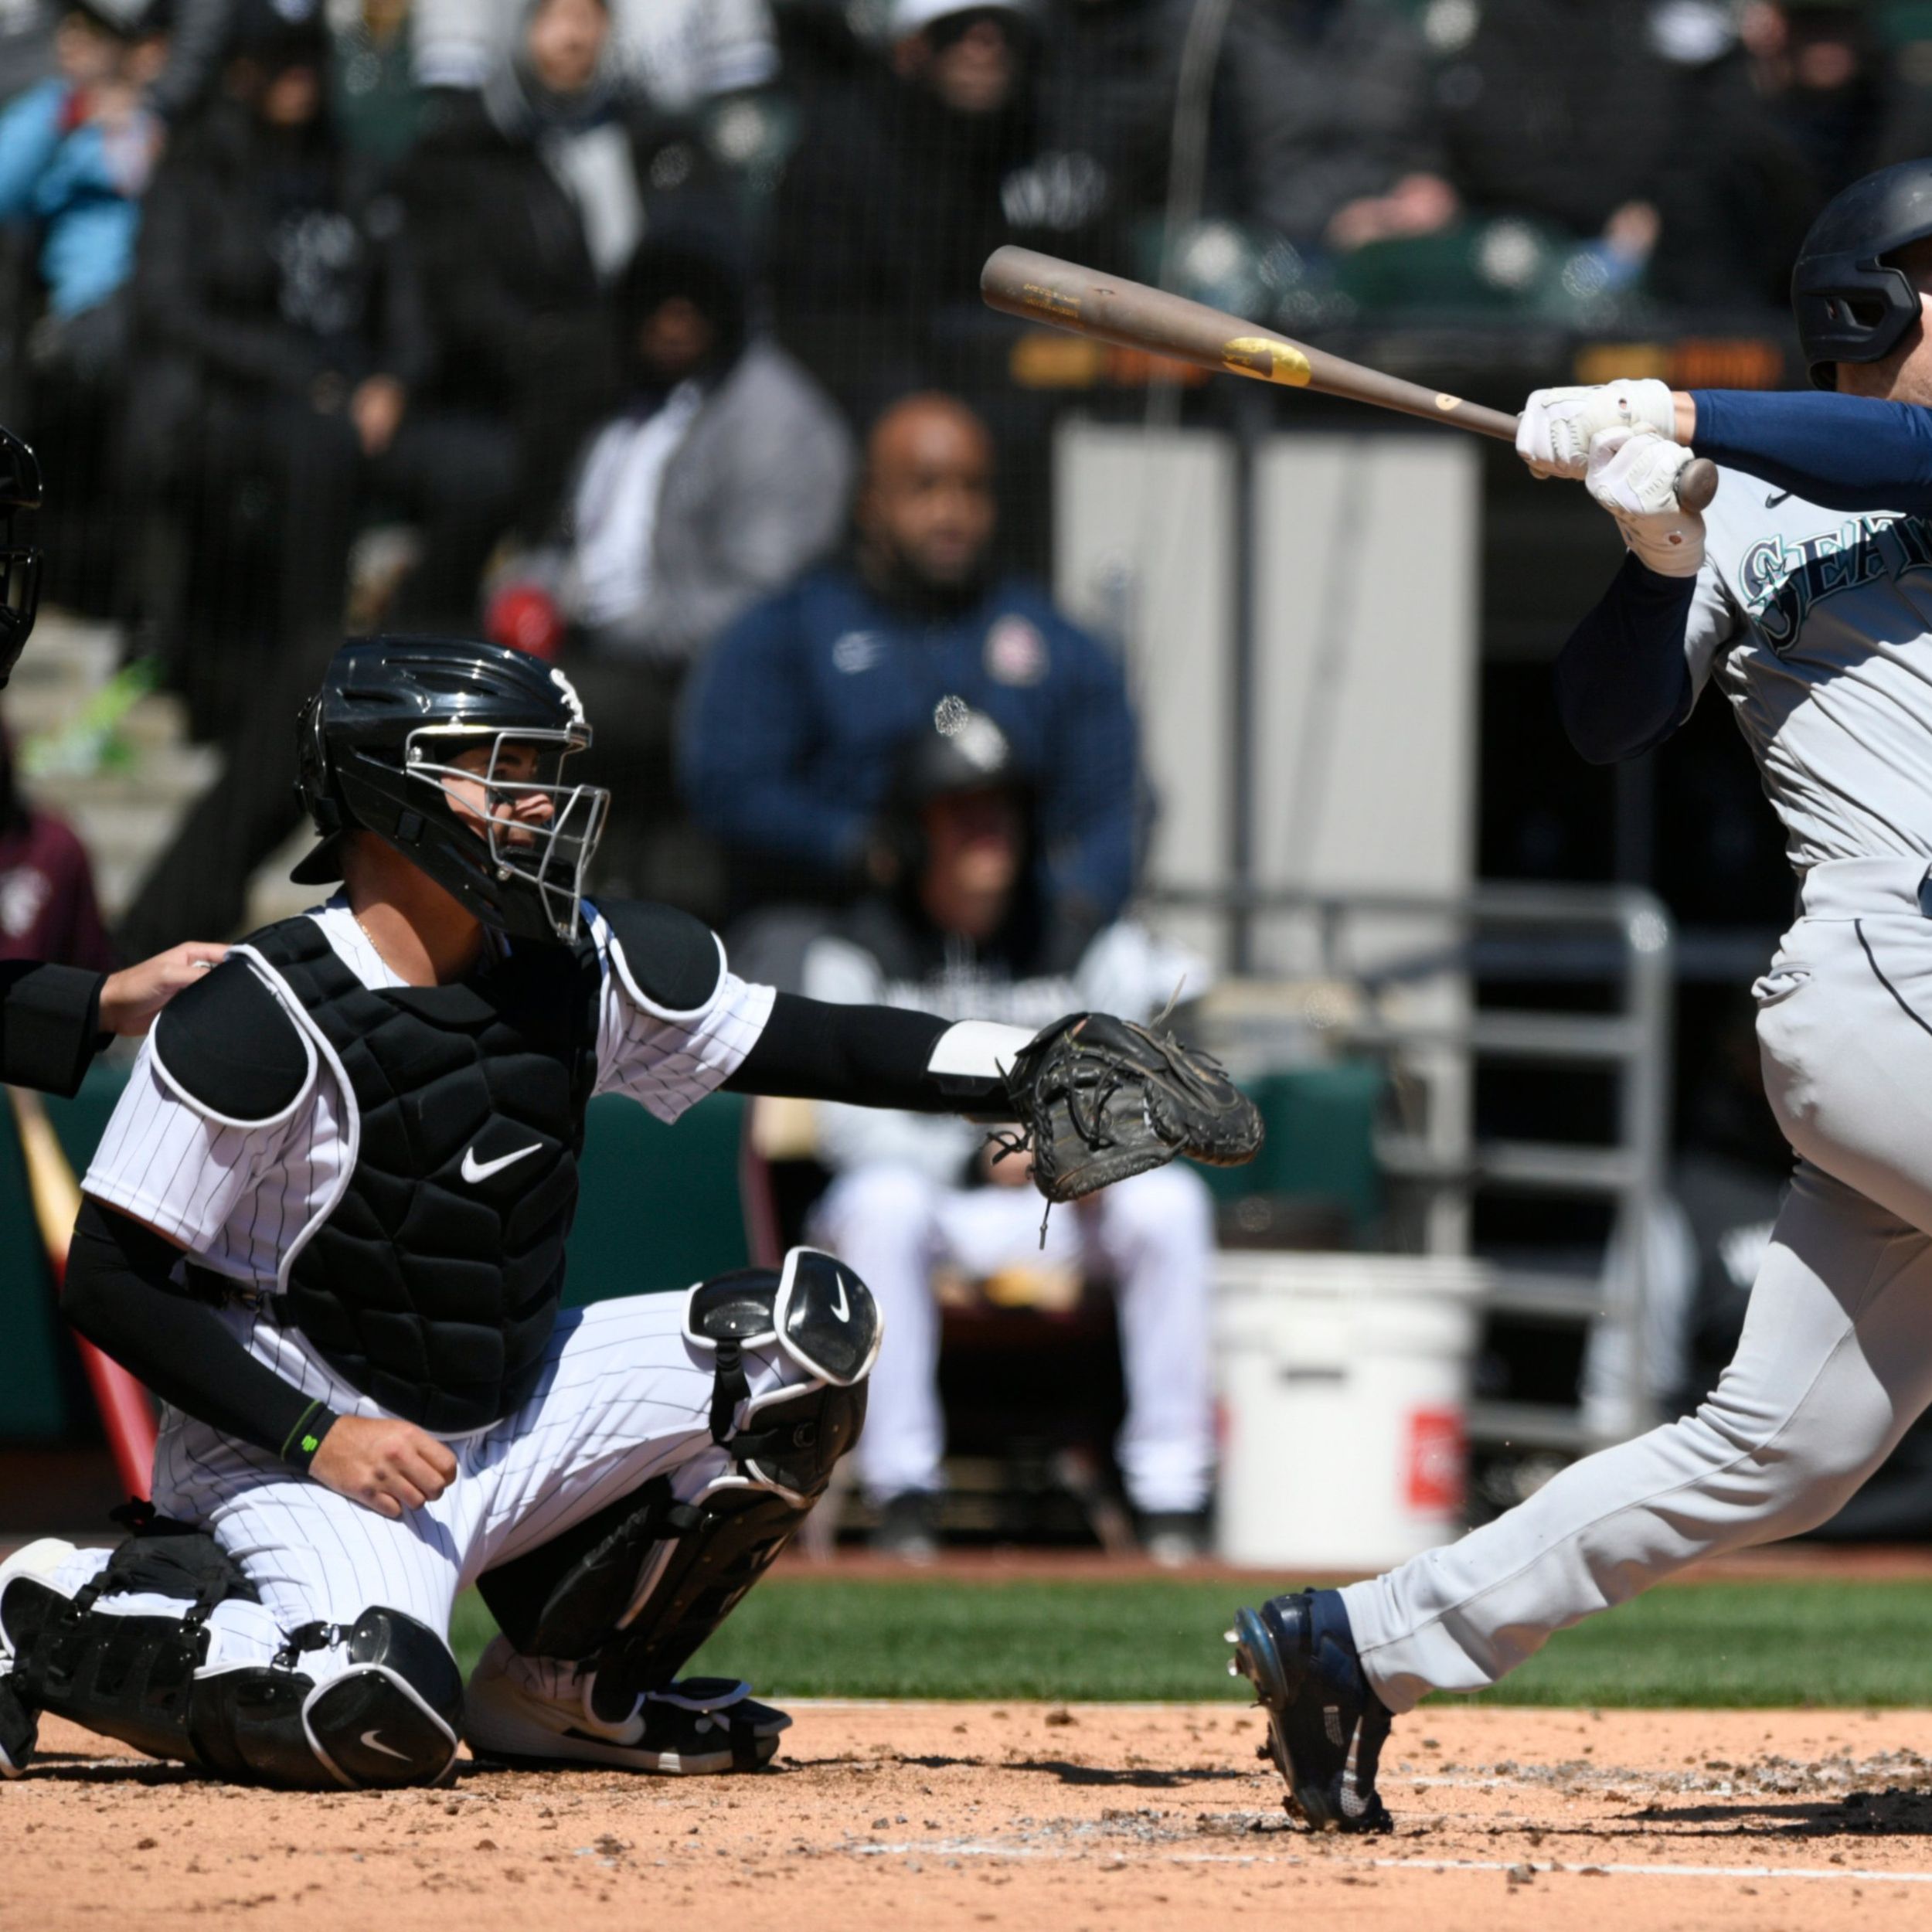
(632, 1591)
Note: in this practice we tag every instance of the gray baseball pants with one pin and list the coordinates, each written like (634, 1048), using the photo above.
(1835, 1360)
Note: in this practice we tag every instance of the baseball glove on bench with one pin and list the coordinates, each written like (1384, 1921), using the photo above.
(1099, 1099)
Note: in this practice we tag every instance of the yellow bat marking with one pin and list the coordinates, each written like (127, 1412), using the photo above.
(1266, 360)
(1049, 302)
(1448, 401)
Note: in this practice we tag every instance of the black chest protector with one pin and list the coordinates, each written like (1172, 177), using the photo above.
(433, 1283)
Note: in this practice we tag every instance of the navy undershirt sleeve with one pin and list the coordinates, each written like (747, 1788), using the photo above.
(1846, 452)
(1622, 684)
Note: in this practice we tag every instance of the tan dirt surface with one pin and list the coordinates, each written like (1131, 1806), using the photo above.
(1026, 1815)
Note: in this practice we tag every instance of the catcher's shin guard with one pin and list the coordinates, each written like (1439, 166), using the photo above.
(626, 1596)
(388, 1715)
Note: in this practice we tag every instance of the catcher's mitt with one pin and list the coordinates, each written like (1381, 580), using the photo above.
(1099, 1099)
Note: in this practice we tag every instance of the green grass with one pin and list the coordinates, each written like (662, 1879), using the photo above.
(1713, 1644)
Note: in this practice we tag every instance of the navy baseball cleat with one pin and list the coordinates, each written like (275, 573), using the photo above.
(1326, 1727)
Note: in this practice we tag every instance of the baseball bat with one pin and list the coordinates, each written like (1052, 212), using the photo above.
(1041, 288)
(126, 1414)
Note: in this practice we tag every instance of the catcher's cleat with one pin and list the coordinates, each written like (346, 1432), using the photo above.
(1326, 1726)
(528, 1710)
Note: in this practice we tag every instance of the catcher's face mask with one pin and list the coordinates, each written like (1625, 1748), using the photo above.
(19, 562)
(507, 791)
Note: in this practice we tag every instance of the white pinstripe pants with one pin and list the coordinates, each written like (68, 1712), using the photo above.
(623, 1398)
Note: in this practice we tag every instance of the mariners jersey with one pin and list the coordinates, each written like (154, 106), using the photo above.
(242, 1199)
(1816, 624)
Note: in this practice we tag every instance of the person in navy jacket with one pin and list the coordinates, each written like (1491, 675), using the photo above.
(798, 713)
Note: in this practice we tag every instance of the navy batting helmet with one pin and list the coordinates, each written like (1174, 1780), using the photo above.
(1853, 305)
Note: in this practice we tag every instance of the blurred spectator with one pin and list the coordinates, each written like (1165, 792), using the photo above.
(1562, 110)
(675, 53)
(1104, 104)
(798, 713)
(513, 291)
(725, 472)
(47, 906)
(377, 102)
(287, 339)
(892, 200)
(1819, 67)
(76, 155)
(1326, 108)
(964, 934)
(282, 306)
(1734, 207)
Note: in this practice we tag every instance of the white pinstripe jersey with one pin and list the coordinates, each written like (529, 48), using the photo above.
(237, 1198)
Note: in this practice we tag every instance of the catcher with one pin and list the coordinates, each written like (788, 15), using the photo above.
(326, 1226)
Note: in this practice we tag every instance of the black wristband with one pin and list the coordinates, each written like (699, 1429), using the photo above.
(306, 1437)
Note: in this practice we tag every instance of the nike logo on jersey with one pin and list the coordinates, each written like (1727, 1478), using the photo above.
(841, 1308)
(1776, 498)
(376, 1744)
(474, 1170)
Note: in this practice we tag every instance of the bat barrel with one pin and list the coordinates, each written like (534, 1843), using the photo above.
(1042, 288)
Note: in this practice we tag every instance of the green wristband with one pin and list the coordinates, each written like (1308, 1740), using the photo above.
(306, 1437)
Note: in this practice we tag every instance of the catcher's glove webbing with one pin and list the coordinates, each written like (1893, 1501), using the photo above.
(1099, 1099)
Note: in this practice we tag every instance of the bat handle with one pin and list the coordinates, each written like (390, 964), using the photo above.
(1696, 484)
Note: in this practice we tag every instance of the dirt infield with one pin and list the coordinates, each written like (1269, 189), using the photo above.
(1028, 1815)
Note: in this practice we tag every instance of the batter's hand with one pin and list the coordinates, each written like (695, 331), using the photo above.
(131, 998)
(1554, 432)
(389, 1466)
(1633, 473)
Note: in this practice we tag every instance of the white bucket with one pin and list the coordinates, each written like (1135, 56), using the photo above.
(1344, 1387)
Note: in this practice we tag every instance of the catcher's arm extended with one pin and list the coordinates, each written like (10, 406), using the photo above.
(1097, 1099)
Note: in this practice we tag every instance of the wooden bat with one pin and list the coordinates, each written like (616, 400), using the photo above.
(126, 1414)
(1040, 288)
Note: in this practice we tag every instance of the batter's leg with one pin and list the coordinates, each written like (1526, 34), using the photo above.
(1835, 1363)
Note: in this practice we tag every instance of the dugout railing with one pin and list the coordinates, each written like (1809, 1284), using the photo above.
(1573, 983)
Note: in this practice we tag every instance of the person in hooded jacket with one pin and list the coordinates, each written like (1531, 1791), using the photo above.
(283, 343)
(498, 211)
(725, 470)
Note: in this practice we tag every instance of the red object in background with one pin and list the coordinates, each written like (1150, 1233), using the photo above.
(126, 1415)
(526, 617)
(1438, 1462)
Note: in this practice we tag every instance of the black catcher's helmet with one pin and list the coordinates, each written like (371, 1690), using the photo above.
(19, 562)
(1851, 304)
(376, 747)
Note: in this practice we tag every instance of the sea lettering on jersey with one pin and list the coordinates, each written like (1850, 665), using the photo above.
(1782, 579)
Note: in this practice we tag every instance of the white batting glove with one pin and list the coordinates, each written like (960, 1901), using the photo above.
(1553, 432)
(1633, 473)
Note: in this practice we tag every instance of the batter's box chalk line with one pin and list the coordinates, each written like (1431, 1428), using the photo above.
(1536, 1867)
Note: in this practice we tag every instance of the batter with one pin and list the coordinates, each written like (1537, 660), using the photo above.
(1804, 594)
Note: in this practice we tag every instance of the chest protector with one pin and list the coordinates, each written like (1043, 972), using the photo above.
(434, 1282)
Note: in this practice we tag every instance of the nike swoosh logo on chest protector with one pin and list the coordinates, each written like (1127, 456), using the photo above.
(474, 1170)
